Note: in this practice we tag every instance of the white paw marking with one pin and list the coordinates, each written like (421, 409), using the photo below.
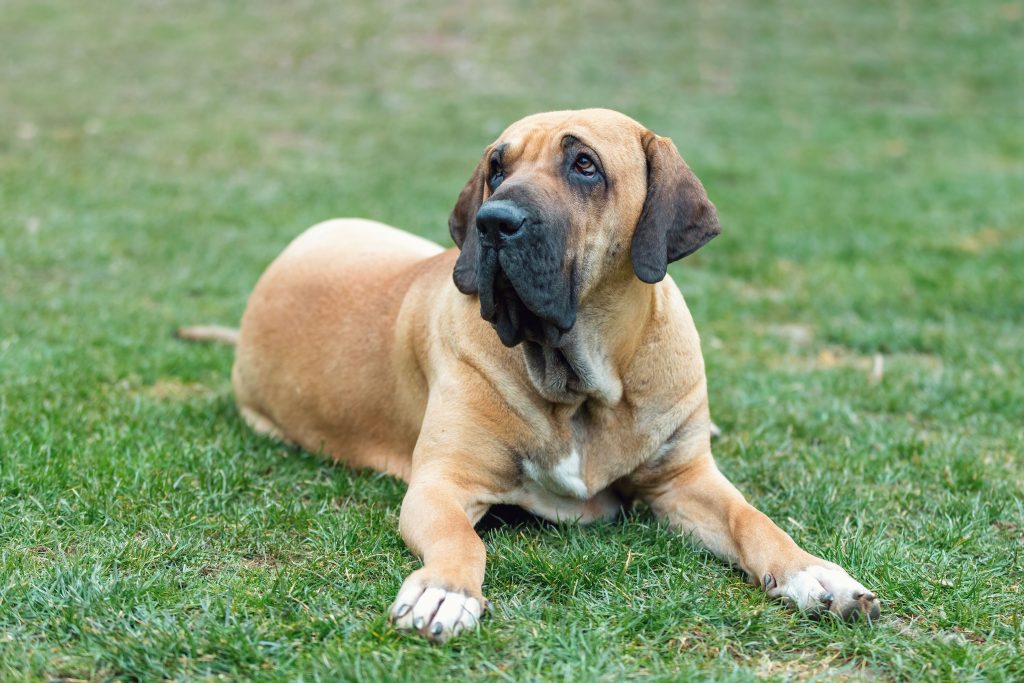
(564, 479)
(821, 587)
(804, 590)
(434, 612)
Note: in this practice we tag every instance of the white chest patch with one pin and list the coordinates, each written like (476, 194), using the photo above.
(564, 479)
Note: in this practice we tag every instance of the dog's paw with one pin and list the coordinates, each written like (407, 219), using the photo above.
(825, 587)
(434, 610)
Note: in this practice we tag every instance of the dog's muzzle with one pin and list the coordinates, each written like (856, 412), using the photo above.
(526, 289)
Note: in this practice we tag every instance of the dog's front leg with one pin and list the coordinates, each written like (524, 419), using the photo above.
(444, 597)
(695, 497)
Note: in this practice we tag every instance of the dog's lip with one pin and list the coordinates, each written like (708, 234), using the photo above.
(552, 331)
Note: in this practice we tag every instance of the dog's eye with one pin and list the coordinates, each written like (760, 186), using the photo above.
(497, 175)
(584, 165)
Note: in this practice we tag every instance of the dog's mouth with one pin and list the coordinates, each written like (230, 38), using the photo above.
(533, 302)
(519, 310)
(513, 319)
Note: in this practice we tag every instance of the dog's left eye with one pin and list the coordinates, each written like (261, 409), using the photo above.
(584, 165)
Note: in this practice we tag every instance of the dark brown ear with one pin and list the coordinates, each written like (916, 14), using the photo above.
(678, 218)
(462, 227)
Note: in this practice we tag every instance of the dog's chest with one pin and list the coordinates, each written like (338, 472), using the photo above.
(565, 489)
(584, 462)
(566, 477)
(568, 474)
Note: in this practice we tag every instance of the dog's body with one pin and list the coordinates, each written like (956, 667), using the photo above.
(376, 303)
(357, 343)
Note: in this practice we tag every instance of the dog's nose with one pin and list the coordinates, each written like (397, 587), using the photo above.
(499, 219)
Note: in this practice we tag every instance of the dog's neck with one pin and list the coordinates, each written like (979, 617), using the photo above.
(590, 361)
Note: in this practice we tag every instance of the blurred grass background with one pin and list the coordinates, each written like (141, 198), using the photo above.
(867, 160)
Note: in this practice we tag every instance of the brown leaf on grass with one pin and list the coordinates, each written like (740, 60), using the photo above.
(980, 241)
(173, 389)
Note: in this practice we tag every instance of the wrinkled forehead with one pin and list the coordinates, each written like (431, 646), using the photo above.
(615, 138)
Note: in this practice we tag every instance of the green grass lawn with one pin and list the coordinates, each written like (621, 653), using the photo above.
(867, 160)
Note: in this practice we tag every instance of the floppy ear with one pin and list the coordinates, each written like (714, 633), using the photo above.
(462, 227)
(678, 218)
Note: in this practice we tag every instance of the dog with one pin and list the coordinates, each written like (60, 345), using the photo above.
(546, 362)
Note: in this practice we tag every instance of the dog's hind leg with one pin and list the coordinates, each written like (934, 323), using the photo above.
(261, 424)
(219, 334)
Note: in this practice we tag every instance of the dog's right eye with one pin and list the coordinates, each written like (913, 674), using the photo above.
(584, 166)
(496, 176)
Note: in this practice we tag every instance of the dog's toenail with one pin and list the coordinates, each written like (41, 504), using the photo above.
(418, 622)
(827, 598)
(402, 611)
(437, 628)
(769, 582)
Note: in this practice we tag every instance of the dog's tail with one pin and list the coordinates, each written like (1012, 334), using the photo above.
(209, 333)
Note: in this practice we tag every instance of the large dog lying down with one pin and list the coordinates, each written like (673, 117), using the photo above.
(547, 363)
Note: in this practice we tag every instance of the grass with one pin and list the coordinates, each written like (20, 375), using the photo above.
(866, 159)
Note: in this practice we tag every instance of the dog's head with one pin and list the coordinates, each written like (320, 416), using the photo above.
(564, 201)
